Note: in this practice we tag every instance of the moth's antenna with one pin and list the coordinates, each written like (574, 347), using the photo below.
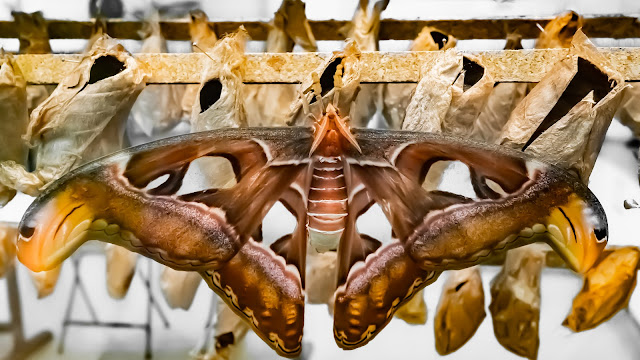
(204, 52)
(337, 83)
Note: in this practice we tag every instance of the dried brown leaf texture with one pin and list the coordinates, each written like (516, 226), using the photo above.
(396, 97)
(503, 99)
(121, 266)
(515, 301)
(450, 95)
(321, 82)
(460, 310)
(573, 106)
(559, 32)
(159, 107)
(13, 122)
(8, 236)
(364, 29)
(268, 105)
(606, 290)
(84, 118)
(204, 39)
(179, 287)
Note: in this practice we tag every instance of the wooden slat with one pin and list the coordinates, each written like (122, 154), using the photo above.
(505, 66)
(605, 26)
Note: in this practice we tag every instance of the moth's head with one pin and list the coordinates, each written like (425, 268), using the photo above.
(331, 129)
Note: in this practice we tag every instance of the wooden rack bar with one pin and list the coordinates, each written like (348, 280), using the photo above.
(378, 67)
(597, 27)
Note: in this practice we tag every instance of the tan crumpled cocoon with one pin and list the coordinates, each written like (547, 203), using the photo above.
(204, 38)
(121, 266)
(321, 276)
(503, 99)
(559, 32)
(225, 73)
(45, 281)
(629, 110)
(577, 136)
(414, 311)
(443, 100)
(364, 29)
(305, 108)
(460, 310)
(606, 290)
(159, 107)
(396, 97)
(515, 301)
(268, 105)
(179, 287)
(8, 236)
(218, 340)
(34, 39)
(13, 121)
(80, 121)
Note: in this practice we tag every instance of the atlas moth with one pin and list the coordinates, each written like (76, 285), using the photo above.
(326, 176)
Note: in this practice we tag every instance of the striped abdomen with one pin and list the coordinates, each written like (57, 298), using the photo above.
(327, 208)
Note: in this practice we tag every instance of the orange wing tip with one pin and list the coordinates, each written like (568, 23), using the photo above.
(576, 234)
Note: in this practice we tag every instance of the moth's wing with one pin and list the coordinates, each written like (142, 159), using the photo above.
(374, 279)
(111, 199)
(519, 200)
(439, 230)
(259, 287)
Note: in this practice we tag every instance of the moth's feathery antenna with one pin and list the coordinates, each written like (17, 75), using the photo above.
(337, 83)
(204, 52)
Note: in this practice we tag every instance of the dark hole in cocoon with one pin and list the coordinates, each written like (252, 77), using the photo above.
(105, 67)
(326, 79)
(588, 78)
(459, 286)
(210, 93)
(439, 38)
(473, 72)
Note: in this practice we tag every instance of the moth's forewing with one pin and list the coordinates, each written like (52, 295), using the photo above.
(109, 200)
(519, 200)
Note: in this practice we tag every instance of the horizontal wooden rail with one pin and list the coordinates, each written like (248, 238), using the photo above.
(597, 27)
(377, 67)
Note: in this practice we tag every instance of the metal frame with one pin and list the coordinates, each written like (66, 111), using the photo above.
(77, 285)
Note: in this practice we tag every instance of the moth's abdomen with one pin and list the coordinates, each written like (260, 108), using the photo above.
(327, 208)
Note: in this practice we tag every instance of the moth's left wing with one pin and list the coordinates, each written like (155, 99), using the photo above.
(115, 199)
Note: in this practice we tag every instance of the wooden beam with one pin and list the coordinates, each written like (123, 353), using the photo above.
(377, 67)
(390, 29)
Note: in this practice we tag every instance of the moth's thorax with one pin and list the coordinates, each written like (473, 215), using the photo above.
(327, 204)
